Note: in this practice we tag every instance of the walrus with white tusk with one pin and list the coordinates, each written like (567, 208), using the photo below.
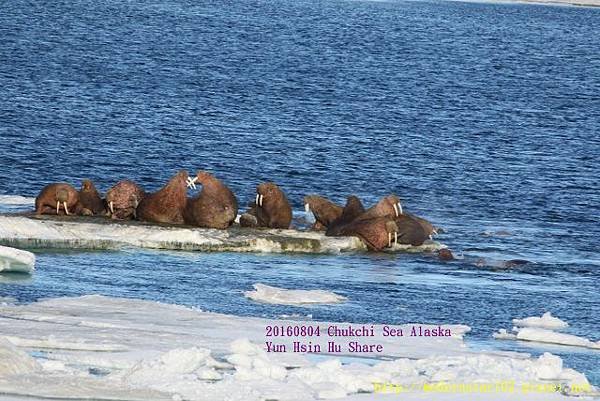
(325, 211)
(90, 202)
(215, 207)
(123, 198)
(271, 208)
(167, 204)
(57, 198)
(376, 233)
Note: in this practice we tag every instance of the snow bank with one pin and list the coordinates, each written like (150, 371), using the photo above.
(16, 260)
(168, 352)
(542, 330)
(546, 321)
(98, 233)
(282, 296)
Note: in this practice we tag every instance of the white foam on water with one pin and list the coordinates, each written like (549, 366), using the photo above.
(169, 352)
(16, 260)
(281, 296)
(546, 321)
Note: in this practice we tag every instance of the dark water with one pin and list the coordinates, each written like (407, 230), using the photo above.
(484, 118)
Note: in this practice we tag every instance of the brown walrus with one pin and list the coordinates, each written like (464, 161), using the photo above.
(270, 209)
(166, 205)
(376, 233)
(351, 211)
(123, 198)
(215, 207)
(325, 211)
(90, 202)
(54, 197)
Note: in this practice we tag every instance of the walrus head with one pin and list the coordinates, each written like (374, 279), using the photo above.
(62, 197)
(394, 202)
(201, 177)
(392, 229)
(87, 185)
(265, 192)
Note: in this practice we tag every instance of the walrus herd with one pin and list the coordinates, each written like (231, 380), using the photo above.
(216, 206)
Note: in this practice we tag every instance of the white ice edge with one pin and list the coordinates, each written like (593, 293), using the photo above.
(546, 336)
(16, 200)
(64, 233)
(148, 350)
(16, 260)
(281, 296)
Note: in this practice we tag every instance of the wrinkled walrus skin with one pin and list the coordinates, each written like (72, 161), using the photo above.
(325, 211)
(123, 198)
(57, 198)
(214, 207)
(166, 205)
(270, 209)
(90, 201)
(375, 233)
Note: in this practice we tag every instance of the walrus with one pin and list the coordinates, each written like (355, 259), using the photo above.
(90, 202)
(325, 211)
(123, 198)
(271, 208)
(351, 211)
(54, 197)
(214, 207)
(167, 204)
(445, 254)
(376, 233)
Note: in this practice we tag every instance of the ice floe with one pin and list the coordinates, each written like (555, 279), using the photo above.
(546, 321)
(16, 260)
(542, 330)
(133, 350)
(274, 295)
(98, 233)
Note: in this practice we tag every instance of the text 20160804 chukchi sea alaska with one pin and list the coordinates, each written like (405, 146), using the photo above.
(302, 334)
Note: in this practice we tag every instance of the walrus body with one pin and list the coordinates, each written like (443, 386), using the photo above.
(215, 207)
(123, 199)
(166, 205)
(90, 201)
(375, 233)
(351, 211)
(325, 211)
(410, 231)
(270, 209)
(54, 198)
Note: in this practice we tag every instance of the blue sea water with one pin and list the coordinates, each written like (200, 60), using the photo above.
(484, 118)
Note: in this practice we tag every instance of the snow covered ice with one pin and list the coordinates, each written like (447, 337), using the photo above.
(101, 347)
(16, 260)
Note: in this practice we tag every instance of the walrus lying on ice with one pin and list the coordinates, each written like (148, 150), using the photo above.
(54, 197)
(90, 202)
(215, 207)
(166, 205)
(374, 223)
(324, 210)
(123, 198)
(271, 208)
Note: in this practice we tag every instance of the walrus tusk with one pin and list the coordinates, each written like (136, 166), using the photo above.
(191, 182)
(66, 209)
(306, 207)
(395, 237)
(260, 200)
(257, 200)
(396, 210)
(400, 208)
(389, 240)
(111, 207)
(57, 206)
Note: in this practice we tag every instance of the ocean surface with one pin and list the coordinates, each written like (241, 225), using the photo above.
(484, 118)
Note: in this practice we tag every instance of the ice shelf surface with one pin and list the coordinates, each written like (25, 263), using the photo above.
(101, 233)
(109, 348)
(16, 260)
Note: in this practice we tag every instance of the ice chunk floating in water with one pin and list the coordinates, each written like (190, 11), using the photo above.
(98, 233)
(16, 260)
(282, 296)
(546, 321)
